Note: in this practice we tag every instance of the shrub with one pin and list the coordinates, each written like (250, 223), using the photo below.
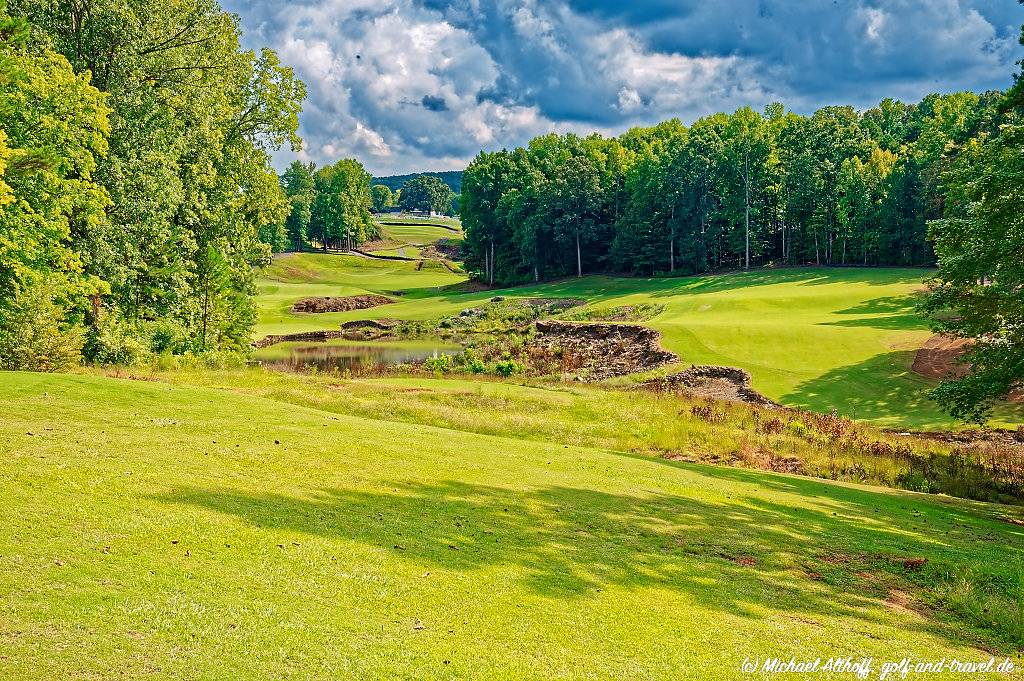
(472, 362)
(34, 334)
(116, 342)
(508, 367)
(440, 364)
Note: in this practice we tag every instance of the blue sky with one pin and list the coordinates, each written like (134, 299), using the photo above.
(407, 85)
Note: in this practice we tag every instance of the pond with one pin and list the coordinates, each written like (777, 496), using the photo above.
(333, 355)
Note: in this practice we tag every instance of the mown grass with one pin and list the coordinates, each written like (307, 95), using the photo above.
(191, 532)
(813, 338)
(640, 422)
(419, 231)
(302, 275)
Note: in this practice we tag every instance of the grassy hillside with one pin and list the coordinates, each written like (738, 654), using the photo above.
(149, 530)
(418, 231)
(294, 276)
(819, 339)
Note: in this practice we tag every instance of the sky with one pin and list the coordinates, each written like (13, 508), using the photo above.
(417, 85)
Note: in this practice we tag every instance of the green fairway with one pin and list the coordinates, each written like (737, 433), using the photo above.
(295, 276)
(813, 338)
(150, 529)
(411, 252)
(419, 231)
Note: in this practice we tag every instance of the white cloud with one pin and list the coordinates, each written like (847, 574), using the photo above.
(425, 84)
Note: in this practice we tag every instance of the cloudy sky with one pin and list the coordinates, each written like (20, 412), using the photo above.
(409, 85)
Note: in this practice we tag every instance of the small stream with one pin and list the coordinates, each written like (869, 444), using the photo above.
(331, 356)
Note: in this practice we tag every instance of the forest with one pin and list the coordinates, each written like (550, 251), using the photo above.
(731, 191)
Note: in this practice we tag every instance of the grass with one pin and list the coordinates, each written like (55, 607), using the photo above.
(401, 251)
(419, 231)
(814, 338)
(295, 276)
(151, 530)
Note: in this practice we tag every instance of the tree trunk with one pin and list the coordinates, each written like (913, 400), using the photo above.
(783, 243)
(672, 242)
(492, 262)
(579, 257)
(746, 205)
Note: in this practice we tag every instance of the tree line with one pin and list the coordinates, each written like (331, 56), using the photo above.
(330, 207)
(838, 187)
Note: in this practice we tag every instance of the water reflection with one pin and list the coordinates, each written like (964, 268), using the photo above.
(330, 357)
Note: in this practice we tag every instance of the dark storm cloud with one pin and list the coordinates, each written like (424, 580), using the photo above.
(502, 71)
(432, 103)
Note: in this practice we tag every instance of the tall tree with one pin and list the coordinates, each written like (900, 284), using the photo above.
(340, 210)
(382, 197)
(53, 133)
(426, 193)
(188, 168)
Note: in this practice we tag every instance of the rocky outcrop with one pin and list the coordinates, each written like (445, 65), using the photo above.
(720, 383)
(596, 351)
(339, 304)
(307, 337)
(369, 329)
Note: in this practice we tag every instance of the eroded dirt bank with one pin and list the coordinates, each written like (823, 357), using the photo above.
(716, 382)
(939, 357)
(322, 304)
(596, 351)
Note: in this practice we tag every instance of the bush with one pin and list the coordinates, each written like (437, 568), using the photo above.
(440, 364)
(116, 342)
(472, 363)
(508, 367)
(35, 336)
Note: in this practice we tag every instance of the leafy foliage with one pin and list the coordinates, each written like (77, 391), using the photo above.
(426, 193)
(131, 200)
(340, 208)
(978, 292)
(382, 196)
(53, 131)
(731, 191)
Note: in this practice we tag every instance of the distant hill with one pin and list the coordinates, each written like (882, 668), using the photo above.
(453, 178)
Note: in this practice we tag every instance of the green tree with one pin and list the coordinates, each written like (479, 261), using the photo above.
(53, 132)
(188, 169)
(382, 197)
(976, 293)
(426, 193)
(340, 210)
(298, 185)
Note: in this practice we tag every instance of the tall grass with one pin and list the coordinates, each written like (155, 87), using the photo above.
(640, 422)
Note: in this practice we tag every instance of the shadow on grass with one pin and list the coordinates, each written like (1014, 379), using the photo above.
(601, 285)
(890, 312)
(734, 557)
(877, 388)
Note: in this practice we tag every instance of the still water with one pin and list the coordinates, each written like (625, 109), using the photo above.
(328, 357)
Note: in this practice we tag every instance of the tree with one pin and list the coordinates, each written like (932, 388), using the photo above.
(382, 197)
(188, 167)
(340, 210)
(53, 133)
(426, 193)
(297, 183)
(747, 150)
(976, 293)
